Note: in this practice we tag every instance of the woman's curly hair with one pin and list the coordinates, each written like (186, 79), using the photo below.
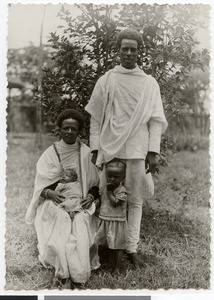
(70, 114)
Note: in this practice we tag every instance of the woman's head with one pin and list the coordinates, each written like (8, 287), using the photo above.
(70, 123)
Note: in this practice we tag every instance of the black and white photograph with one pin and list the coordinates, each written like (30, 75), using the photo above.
(108, 138)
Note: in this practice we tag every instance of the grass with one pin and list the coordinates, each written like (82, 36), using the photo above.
(175, 233)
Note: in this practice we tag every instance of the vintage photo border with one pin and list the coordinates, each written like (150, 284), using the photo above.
(3, 156)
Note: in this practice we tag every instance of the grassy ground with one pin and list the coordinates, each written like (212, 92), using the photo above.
(175, 234)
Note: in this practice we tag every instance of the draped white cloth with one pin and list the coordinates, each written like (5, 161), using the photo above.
(127, 120)
(63, 243)
(126, 110)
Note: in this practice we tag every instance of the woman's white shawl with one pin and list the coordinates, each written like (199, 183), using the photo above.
(49, 171)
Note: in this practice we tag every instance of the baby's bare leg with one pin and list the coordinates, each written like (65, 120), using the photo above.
(72, 214)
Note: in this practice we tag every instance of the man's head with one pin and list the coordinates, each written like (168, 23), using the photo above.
(69, 175)
(129, 41)
(115, 170)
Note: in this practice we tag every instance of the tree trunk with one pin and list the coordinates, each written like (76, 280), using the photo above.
(38, 140)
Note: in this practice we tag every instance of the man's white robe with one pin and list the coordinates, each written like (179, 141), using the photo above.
(127, 117)
(127, 120)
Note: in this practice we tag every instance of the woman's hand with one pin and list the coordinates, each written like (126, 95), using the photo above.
(87, 201)
(55, 196)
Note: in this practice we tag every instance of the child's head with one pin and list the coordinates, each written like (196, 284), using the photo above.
(115, 170)
(69, 175)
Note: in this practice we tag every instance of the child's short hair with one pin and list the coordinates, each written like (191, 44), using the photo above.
(117, 162)
(72, 172)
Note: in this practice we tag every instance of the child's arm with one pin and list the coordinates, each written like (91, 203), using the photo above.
(97, 202)
(118, 197)
(113, 200)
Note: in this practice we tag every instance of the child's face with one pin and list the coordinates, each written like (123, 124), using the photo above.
(114, 176)
(68, 176)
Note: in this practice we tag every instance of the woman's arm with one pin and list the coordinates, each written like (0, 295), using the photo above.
(92, 195)
(50, 193)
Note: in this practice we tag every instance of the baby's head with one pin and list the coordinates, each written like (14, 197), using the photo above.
(115, 170)
(69, 175)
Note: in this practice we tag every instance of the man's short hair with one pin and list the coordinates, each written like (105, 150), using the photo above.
(129, 33)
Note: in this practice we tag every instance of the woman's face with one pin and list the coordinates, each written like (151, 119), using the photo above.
(69, 131)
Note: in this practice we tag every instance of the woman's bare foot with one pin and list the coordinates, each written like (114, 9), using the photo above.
(61, 284)
(75, 285)
(65, 284)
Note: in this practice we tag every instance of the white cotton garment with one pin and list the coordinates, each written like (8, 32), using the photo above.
(127, 117)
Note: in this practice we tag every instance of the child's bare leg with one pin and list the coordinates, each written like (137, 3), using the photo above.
(117, 261)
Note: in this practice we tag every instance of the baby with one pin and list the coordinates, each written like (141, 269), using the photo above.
(70, 188)
(112, 228)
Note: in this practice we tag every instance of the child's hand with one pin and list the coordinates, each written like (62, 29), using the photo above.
(111, 186)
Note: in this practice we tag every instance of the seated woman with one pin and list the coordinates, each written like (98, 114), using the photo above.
(65, 243)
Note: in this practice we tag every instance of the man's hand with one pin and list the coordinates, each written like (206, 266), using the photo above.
(87, 201)
(55, 196)
(94, 156)
(151, 162)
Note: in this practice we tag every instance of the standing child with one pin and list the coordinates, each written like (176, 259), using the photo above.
(112, 229)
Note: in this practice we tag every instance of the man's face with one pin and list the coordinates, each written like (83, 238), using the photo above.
(128, 53)
(69, 131)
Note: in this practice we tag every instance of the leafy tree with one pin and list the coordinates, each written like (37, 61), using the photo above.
(87, 49)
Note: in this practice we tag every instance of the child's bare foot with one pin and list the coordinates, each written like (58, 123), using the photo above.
(115, 271)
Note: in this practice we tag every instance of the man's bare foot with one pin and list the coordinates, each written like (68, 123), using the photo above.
(135, 260)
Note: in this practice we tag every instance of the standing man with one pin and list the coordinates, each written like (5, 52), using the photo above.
(127, 120)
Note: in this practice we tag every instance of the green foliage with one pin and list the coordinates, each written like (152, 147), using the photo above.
(87, 49)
